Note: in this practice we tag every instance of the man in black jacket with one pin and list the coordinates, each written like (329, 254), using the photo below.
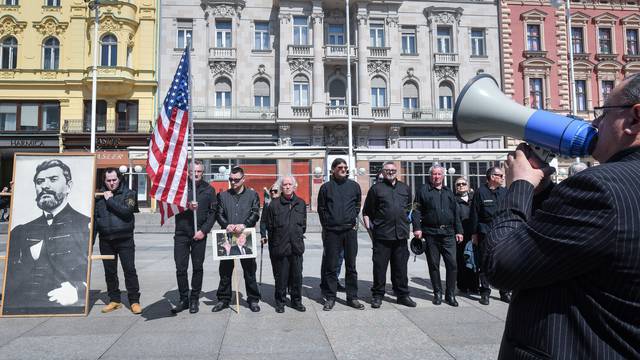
(386, 211)
(238, 209)
(436, 218)
(338, 208)
(483, 210)
(115, 223)
(574, 264)
(287, 223)
(188, 242)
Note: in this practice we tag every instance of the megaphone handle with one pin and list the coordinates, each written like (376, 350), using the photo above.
(542, 154)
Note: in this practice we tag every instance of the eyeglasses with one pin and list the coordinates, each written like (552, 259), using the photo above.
(599, 111)
(498, 175)
(461, 184)
(273, 191)
(342, 167)
(390, 171)
(235, 180)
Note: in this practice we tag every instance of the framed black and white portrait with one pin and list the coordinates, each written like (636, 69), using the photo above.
(49, 245)
(229, 246)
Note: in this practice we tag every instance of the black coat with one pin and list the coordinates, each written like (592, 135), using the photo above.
(464, 212)
(114, 218)
(65, 244)
(339, 204)
(436, 212)
(206, 212)
(574, 265)
(242, 208)
(387, 207)
(484, 206)
(287, 223)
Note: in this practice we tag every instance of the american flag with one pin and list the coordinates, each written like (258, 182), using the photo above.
(167, 158)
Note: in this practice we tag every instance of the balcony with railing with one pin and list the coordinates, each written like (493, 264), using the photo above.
(222, 54)
(339, 52)
(235, 113)
(83, 126)
(446, 59)
(297, 51)
(379, 52)
(301, 111)
(447, 143)
(380, 112)
(340, 110)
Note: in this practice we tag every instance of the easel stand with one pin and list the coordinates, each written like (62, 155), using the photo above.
(236, 281)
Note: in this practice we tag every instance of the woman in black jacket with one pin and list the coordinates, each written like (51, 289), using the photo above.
(286, 225)
(467, 278)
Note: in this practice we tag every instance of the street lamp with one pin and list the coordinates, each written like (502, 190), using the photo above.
(93, 5)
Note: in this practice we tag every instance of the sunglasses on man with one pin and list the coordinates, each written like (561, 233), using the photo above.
(235, 180)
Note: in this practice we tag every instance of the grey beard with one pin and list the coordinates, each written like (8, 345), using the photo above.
(48, 204)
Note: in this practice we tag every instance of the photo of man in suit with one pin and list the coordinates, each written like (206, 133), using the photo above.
(241, 247)
(48, 256)
(574, 263)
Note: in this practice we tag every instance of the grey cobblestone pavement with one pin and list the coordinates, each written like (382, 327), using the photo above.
(470, 331)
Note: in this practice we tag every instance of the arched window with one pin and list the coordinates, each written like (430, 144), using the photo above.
(51, 54)
(445, 96)
(109, 50)
(410, 95)
(223, 93)
(378, 92)
(337, 93)
(9, 53)
(300, 91)
(261, 93)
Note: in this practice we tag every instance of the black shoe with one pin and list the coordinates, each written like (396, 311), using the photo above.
(298, 306)
(505, 297)
(194, 306)
(354, 303)
(484, 299)
(406, 301)
(376, 302)
(437, 299)
(255, 307)
(328, 304)
(341, 287)
(221, 305)
(279, 308)
(451, 300)
(183, 305)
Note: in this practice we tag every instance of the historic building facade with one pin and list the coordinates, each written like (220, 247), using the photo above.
(46, 77)
(269, 82)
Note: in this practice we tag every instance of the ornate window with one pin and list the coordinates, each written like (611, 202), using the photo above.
(223, 34)
(606, 86)
(604, 41)
(409, 40)
(632, 42)
(300, 91)
(300, 30)
(376, 34)
(127, 116)
(577, 39)
(184, 32)
(109, 50)
(51, 54)
(52, 2)
(445, 96)
(536, 93)
(9, 53)
(533, 38)
(410, 95)
(335, 36)
(337, 93)
(261, 36)
(478, 42)
(261, 93)
(378, 92)
(223, 93)
(445, 42)
(581, 95)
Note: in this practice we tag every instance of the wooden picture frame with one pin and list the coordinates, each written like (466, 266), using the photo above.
(220, 252)
(48, 263)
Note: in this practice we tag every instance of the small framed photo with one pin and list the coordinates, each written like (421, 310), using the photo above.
(228, 246)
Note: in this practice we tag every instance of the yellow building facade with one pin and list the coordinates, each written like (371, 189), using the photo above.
(46, 62)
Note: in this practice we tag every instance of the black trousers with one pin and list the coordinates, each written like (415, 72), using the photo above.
(395, 252)
(333, 243)
(467, 278)
(226, 271)
(183, 246)
(287, 272)
(485, 288)
(125, 249)
(445, 246)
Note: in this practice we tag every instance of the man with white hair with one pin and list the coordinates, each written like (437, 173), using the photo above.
(286, 225)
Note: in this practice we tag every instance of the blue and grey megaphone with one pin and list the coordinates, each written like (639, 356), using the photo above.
(483, 110)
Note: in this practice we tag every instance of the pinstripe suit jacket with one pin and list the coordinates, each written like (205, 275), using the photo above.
(574, 265)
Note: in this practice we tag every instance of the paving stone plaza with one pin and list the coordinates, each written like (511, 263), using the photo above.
(470, 331)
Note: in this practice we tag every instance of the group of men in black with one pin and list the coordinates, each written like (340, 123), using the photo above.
(443, 222)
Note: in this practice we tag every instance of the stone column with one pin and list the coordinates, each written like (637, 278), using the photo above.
(317, 110)
(284, 98)
(364, 85)
(394, 86)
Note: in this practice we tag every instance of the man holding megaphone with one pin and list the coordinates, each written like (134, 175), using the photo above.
(574, 263)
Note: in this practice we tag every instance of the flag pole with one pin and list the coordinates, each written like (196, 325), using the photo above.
(191, 135)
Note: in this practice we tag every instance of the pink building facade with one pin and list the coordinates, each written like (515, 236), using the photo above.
(534, 37)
